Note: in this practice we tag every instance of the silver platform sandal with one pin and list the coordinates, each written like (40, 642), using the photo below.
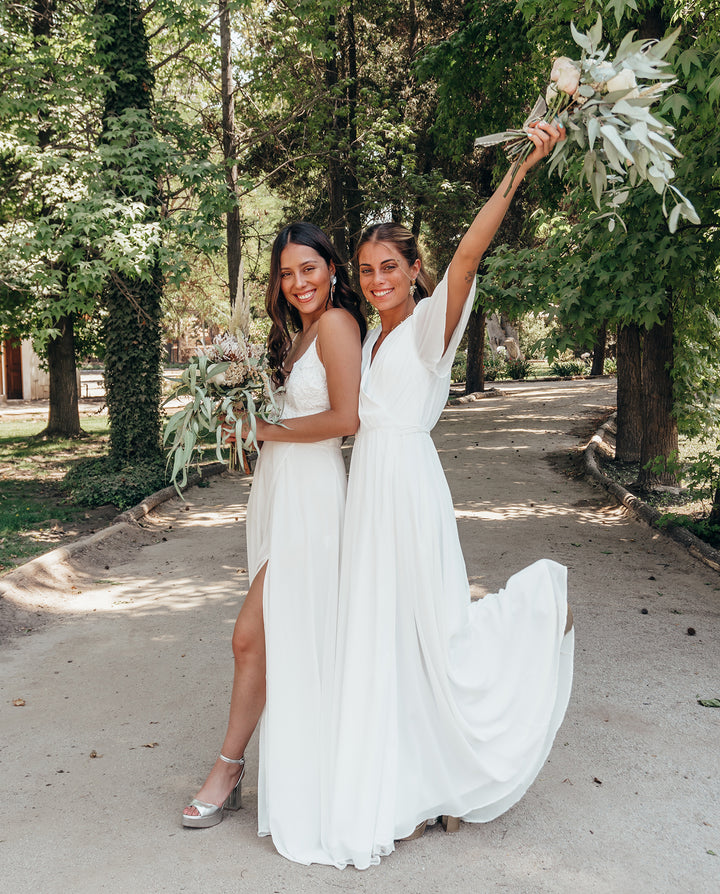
(211, 814)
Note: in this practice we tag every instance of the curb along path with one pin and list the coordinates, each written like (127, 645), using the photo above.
(695, 546)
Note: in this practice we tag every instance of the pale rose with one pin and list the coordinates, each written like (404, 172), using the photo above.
(566, 75)
(625, 80)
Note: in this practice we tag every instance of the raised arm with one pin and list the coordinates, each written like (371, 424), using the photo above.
(340, 351)
(479, 235)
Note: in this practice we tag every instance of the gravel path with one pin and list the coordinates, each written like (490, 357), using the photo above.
(126, 692)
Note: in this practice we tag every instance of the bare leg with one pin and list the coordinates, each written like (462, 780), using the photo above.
(248, 695)
(569, 621)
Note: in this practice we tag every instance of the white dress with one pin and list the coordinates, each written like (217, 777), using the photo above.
(440, 705)
(294, 523)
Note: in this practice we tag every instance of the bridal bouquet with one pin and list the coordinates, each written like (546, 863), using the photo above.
(605, 107)
(227, 383)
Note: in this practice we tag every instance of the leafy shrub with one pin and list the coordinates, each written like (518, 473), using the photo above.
(459, 367)
(518, 369)
(567, 368)
(96, 482)
(700, 527)
(493, 365)
(610, 367)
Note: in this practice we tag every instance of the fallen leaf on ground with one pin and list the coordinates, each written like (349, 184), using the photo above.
(705, 702)
(19, 702)
(151, 745)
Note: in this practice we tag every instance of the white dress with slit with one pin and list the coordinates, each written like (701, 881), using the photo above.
(294, 523)
(440, 705)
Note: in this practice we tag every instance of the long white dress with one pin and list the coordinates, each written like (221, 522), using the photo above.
(294, 523)
(440, 705)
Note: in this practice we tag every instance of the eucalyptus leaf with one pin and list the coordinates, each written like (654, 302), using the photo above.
(674, 217)
(582, 40)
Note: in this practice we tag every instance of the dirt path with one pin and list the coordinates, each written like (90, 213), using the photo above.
(141, 657)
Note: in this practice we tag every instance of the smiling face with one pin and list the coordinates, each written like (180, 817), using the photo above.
(385, 275)
(305, 280)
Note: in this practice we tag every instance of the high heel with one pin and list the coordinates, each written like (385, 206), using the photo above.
(212, 814)
(450, 823)
(418, 831)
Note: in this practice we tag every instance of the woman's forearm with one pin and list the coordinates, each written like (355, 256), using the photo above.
(307, 429)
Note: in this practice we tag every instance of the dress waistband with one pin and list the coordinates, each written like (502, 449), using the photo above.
(393, 429)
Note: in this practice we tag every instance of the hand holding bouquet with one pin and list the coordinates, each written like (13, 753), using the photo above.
(227, 385)
(604, 106)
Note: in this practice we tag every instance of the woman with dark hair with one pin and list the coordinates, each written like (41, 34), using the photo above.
(442, 707)
(284, 635)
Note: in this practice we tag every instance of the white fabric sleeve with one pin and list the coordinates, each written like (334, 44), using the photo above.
(429, 328)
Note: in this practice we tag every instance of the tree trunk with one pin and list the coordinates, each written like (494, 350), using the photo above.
(232, 222)
(336, 224)
(714, 517)
(629, 395)
(133, 334)
(660, 433)
(353, 193)
(64, 412)
(64, 415)
(133, 367)
(598, 361)
(475, 370)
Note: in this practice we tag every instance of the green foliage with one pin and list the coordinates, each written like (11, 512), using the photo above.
(610, 366)
(701, 527)
(581, 273)
(95, 482)
(76, 210)
(459, 367)
(493, 366)
(701, 474)
(567, 368)
(518, 369)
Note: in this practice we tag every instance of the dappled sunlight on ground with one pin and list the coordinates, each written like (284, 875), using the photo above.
(515, 512)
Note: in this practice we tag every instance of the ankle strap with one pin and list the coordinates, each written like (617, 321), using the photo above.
(229, 760)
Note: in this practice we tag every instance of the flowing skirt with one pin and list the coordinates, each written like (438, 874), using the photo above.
(440, 705)
(294, 523)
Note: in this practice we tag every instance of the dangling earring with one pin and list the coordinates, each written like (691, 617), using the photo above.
(333, 280)
(412, 288)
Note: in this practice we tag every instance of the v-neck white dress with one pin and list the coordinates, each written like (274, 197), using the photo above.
(294, 523)
(440, 705)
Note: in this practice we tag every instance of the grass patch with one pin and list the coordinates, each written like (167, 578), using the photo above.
(36, 513)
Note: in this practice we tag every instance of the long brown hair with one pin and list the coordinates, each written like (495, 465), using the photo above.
(286, 318)
(406, 244)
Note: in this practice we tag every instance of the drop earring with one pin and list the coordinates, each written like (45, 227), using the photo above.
(333, 280)
(412, 288)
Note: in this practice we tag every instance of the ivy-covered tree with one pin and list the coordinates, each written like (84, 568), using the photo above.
(133, 294)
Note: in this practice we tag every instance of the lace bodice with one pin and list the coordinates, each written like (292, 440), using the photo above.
(306, 387)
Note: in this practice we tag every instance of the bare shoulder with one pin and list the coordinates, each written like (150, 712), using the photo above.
(339, 323)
